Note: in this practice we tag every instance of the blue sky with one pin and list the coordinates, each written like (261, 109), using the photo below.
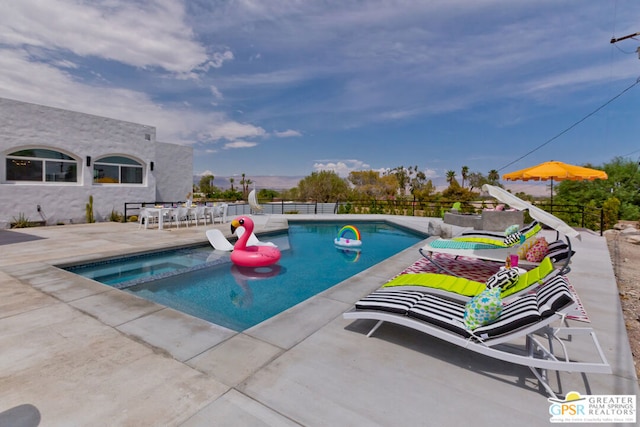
(291, 87)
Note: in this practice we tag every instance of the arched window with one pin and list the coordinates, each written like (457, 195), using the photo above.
(117, 170)
(41, 165)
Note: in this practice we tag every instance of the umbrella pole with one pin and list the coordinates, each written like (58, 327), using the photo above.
(551, 208)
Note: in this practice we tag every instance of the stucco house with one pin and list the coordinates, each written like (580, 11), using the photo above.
(54, 159)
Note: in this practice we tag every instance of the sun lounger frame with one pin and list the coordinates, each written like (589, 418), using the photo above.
(539, 357)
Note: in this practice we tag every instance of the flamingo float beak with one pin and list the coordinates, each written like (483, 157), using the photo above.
(235, 224)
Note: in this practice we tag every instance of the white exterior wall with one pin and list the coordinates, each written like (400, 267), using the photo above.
(173, 180)
(24, 125)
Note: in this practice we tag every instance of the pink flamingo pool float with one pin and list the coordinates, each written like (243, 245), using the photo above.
(251, 256)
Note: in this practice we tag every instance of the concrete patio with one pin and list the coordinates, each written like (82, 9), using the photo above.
(84, 353)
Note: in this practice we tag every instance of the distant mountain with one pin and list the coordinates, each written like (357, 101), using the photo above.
(258, 182)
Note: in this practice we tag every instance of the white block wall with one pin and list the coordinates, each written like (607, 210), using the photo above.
(24, 125)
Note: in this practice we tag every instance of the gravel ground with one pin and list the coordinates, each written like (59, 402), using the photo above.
(625, 256)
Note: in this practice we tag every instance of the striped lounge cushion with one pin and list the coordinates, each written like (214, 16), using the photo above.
(554, 296)
(449, 314)
(394, 301)
(460, 244)
(558, 251)
(520, 313)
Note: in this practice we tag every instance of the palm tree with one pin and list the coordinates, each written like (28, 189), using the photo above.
(231, 180)
(493, 177)
(465, 174)
(451, 176)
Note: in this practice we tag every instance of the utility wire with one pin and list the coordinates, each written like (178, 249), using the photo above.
(572, 126)
(633, 152)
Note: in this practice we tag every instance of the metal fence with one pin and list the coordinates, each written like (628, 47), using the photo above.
(574, 215)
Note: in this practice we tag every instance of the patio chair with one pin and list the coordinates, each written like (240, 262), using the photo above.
(527, 317)
(200, 213)
(253, 202)
(181, 214)
(219, 213)
(147, 217)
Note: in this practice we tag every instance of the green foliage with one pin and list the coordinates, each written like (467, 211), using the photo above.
(115, 216)
(493, 177)
(623, 184)
(323, 186)
(231, 194)
(266, 194)
(457, 193)
(476, 180)
(610, 212)
(345, 208)
(291, 194)
(206, 185)
(89, 211)
(21, 222)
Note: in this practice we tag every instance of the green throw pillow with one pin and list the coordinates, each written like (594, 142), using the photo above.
(483, 308)
(511, 229)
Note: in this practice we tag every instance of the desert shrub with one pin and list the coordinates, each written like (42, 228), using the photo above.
(21, 222)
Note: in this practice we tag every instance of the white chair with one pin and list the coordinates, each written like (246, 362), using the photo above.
(200, 213)
(219, 213)
(181, 214)
(147, 217)
(253, 203)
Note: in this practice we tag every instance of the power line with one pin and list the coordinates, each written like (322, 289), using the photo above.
(633, 152)
(572, 126)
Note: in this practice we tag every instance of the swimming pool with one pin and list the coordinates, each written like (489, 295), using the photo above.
(204, 283)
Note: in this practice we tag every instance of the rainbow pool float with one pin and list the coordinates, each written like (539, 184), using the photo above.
(341, 240)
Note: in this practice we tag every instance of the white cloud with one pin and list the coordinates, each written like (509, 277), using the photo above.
(430, 173)
(287, 133)
(341, 167)
(240, 144)
(148, 34)
(216, 93)
(231, 131)
(24, 80)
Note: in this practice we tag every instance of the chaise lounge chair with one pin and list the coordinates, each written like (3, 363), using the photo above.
(525, 317)
(462, 289)
(494, 252)
(560, 254)
(499, 239)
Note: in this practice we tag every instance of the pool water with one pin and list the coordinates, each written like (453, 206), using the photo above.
(204, 283)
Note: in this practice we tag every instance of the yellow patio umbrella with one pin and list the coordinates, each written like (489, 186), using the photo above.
(555, 170)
